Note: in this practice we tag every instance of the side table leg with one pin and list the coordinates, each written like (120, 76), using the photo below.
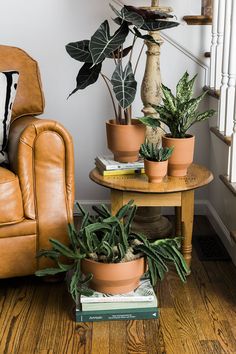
(187, 214)
(178, 229)
(116, 201)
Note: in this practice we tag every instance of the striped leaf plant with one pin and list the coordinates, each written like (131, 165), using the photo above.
(109, 239)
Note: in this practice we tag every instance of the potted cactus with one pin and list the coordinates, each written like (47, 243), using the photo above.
(179, 113)
(155, 161)
(124, 134)
(108, 256)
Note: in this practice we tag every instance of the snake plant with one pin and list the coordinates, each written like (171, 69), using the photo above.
(179, 112)
(152, 152)
(109, 239)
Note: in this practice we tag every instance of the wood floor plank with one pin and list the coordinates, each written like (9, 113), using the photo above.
(136, 338)
(100, 338)
(196, 317)
(118, 337)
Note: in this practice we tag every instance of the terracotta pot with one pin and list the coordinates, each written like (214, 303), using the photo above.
(155, 170)
(125, 140)
(182, 155)
(114, 278)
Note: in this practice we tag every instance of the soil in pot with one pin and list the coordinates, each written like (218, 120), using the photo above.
(114, 278)
(125, 140)
(182, 155)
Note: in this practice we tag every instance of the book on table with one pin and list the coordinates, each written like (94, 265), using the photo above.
(138, 304)
(107, 163)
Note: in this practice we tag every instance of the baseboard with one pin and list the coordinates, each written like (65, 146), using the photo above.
(221, 230)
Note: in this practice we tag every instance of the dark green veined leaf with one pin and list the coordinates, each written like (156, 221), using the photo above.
(48, 271)
(150, 122)
(129, 16)
(102, 43)
(87, 75)
(124, 85)
(158, 25)
(146, 37)
(120, 53)
(79, 51)
(148, 14)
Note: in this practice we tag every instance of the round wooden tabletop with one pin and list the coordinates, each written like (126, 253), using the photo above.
(197, 176)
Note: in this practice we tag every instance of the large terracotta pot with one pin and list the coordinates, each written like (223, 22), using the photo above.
(182, 155)
(114, 278)
(155, 170)
(125, 140)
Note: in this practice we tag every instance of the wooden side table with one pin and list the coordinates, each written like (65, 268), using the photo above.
(173, 191)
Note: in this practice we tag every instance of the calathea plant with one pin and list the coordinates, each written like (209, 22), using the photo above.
(107, 239)
(152, 152)
(179, 112)
(106, 46)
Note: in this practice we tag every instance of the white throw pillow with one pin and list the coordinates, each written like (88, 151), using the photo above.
(8, 85)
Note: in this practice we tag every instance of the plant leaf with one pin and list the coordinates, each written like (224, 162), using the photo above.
(102, 43)
(124, 85)
(79, 51)
(87, 75)
(154, 123)
(48, 271)
(146, 37)
(158, 25)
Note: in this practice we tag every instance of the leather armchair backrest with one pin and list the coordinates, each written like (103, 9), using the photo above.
(29, 97)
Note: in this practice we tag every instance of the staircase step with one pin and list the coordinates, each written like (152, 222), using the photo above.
(228, 184)
(221, 136)
(198, 20)
(207, 54)
(212, 92)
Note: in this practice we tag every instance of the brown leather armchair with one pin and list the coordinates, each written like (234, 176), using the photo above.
(37, 190)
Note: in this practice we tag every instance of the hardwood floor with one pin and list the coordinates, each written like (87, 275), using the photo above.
(196, 317)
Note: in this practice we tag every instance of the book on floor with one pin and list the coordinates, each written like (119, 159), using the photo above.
(116, 315)
(143, 293)
(107, 163)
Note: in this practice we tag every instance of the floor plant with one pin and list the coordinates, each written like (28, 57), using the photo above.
(108, 239)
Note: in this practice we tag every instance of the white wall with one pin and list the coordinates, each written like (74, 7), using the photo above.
(43, 27)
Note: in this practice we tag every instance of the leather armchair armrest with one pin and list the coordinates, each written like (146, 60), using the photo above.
(41, 154)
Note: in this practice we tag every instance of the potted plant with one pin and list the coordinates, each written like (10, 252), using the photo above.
(124, 134)
(106, 254)
(155, 161)
(179, 113)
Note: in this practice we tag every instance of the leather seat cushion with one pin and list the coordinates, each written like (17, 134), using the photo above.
(11, 206)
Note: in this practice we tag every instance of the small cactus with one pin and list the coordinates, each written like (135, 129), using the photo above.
(152, 152)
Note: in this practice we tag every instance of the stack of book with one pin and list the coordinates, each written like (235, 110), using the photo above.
(109, 167)
(136, 305)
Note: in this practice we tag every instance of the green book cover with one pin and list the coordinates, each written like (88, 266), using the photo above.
(116, 315)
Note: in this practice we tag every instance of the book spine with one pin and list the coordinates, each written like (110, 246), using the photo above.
(116, 306)
(83, 316)
(120, 172)
(107, 165)
(110, 299)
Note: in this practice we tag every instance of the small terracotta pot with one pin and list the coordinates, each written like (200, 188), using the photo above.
(155, 171)
(182, 155)
(114, 278)
(125, 140)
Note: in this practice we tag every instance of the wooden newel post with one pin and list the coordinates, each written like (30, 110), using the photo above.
(148, 219)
